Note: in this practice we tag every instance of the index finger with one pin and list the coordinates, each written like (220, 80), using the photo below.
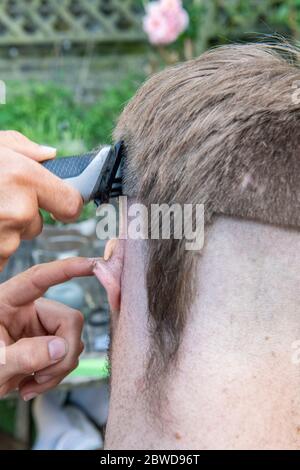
(33, 283)
(18, 142)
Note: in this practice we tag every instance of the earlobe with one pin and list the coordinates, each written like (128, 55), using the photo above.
(109, 270)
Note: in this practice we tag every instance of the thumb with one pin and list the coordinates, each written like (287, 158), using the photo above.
(30, 355)
(16, 141)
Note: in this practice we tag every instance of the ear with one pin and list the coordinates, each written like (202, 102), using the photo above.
(109, 270)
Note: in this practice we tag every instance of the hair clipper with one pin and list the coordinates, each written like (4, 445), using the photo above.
(97, 175)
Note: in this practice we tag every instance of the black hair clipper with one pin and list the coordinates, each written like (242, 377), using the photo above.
(97, 175)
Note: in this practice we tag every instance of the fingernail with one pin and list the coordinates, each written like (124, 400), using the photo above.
(42, 379)
(47, 150)
(29, 396)
(57, 349)
(109, 249)
(107, 254)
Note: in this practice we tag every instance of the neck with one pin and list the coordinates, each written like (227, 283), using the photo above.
(236, 356)
(235, 384)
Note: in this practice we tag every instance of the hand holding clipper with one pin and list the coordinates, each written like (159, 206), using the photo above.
(96, 175)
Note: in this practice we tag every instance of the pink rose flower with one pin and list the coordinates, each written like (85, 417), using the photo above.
(165, 20)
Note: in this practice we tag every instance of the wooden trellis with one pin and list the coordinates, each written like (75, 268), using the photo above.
(80, 21)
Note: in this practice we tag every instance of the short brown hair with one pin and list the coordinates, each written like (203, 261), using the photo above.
(223, 130)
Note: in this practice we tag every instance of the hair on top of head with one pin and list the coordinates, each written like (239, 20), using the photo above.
(223, 130)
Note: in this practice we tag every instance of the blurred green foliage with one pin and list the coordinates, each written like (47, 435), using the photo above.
(50, 115)
(8, 414)
(214, 22)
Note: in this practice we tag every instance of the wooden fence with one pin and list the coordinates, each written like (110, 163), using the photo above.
(80, 21)
(81, 44)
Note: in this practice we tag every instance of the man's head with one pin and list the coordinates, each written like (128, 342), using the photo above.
(222, 130)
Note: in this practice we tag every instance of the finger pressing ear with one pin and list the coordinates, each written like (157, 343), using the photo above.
(33, 283)
(109, 271)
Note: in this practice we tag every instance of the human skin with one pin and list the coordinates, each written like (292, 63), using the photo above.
(40, 339)
(25, 187)
(235, 384)
(36, 335)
